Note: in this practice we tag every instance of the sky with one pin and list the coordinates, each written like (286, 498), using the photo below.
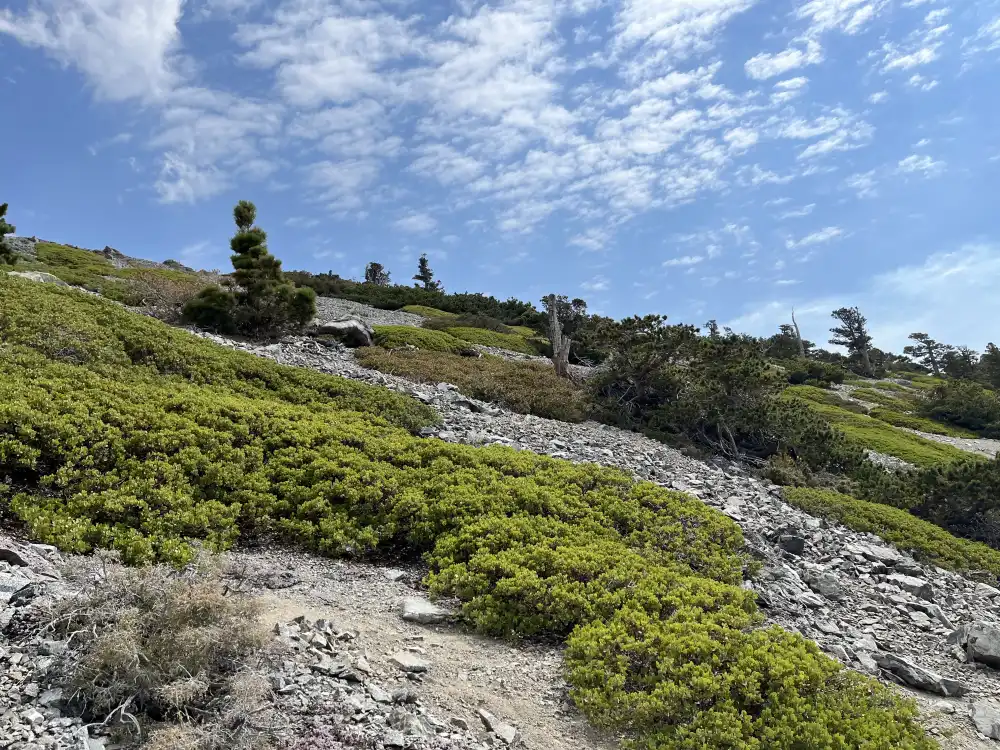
(723, 159)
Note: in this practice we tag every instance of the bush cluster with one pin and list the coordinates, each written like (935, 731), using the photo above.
(524, 387)
(114, 438)
(924, 540)
(921, 424)
(485, 322)
(963, 403)
(394, 337)
(802, 370)
(428, 312)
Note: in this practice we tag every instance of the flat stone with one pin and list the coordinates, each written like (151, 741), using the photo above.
(986, 717)
(507, 733)
(981, 641)
(826, 584)
(916, 676)
(39, 276)
(415, 609)
(792, 543)
(409, 662)
(378, 694)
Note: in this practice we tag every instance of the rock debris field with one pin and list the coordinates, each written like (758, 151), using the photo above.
(370, 663)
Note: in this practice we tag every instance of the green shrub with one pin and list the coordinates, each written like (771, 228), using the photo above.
(212, 309)
(467, 321)
(821, 396)
(393, 337)
(884, 399)
(924, 540)
(120, 432)
(873, 434)
(965, 404)
(920, 424)
(802, 370)
(964, 498)
(509, 341)
(525, 387)
(427, 312)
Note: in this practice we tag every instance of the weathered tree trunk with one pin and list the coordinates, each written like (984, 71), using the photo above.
(560, 344)
(798, 336)
(866, 360)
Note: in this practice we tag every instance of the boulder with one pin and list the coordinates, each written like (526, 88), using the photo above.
(824, 583)
(981, 641)
(39, 276)
(352, 332)
(987, 719)
(916, 676)
(408, 662)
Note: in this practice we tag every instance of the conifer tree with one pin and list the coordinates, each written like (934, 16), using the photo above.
(376, 274)
(425, 276)
(7, 254)
(852, 333)
(926, 351)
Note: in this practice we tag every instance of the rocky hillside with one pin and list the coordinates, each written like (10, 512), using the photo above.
(87, 469)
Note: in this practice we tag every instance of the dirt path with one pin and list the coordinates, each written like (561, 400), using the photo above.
(521, 684)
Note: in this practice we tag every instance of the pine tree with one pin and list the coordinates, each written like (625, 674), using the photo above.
(376, 274)
(927, 351)
(853, 334)
(988, 370)
(425, 276)
(960, 362)
(263, 303)
(7, 254)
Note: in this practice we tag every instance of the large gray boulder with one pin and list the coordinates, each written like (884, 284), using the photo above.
(916, 676)
(352, 332)
(981, 641)
(987, 719)
(40, 276)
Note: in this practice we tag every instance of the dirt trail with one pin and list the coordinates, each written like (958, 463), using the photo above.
(522, 684)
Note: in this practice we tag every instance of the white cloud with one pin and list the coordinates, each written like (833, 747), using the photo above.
(878, 97)
(301, 222)
(863, 183)
(920, 163)
(986, 39)
(596, 284)
(819, 237)
(686, 260)
(593, 239)
(127, 49)
(919, 297)
(895, 60)
(849, 16)
(763, 66)
(798, 213)
(740, 139)
(417, 223)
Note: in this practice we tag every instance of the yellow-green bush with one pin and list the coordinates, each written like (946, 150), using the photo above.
(427, 312)
(120, 432)
(921, 424)
(923, 539)
(393, 337)
(877, 396)
(509, 341)
(525, 387)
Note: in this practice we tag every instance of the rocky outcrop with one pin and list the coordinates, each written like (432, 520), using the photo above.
(39, 276)
(981, 641)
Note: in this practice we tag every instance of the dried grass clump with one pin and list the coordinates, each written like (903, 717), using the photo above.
(168, 651)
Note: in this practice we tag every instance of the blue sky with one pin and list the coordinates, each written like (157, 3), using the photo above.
(727, 159)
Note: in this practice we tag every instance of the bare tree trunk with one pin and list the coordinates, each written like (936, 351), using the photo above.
(560, 344)
(866, 360)
(798, 336)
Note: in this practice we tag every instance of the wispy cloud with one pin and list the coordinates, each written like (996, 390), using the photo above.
(685, 260)
(819, 237)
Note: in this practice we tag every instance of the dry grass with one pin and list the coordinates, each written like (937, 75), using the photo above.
(164, 292)
(167, 657)
(525, 387)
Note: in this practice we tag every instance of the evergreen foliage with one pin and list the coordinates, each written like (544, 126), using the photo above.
(7, 256)
(262, 303)
(927, 352)
(965, 404)
(394, 337)
(425, 276)
(852, 333)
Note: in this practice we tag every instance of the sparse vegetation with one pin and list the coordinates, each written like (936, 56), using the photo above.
(428, 312)
(173, 654)
(913, 422)
(525, 387)
(444, 322)
(509, 341)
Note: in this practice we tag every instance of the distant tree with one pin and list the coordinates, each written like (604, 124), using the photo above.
(713, 328)
(786, 344)
(798, 336)
(989, 366)
(960, 362)
(262, 302)
(852, 333)
(7, 254)
(375, 273)
(926, 351)
(425, 276)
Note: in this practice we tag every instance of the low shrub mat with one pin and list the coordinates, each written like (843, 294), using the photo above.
(926, 541)
(921, 424)
(108, 440)
(509, 341)
(427, 312)
(393, 337)
(524, 387)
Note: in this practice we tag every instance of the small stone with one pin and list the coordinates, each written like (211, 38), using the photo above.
(405, 695)
(52, 648)
(33, 716)
(792, 543)
(378, 694)
(459, 723)
(393, 738)
(409, 662)
(828, 627)
(30, 690)
(916, 586)
(505, 732)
